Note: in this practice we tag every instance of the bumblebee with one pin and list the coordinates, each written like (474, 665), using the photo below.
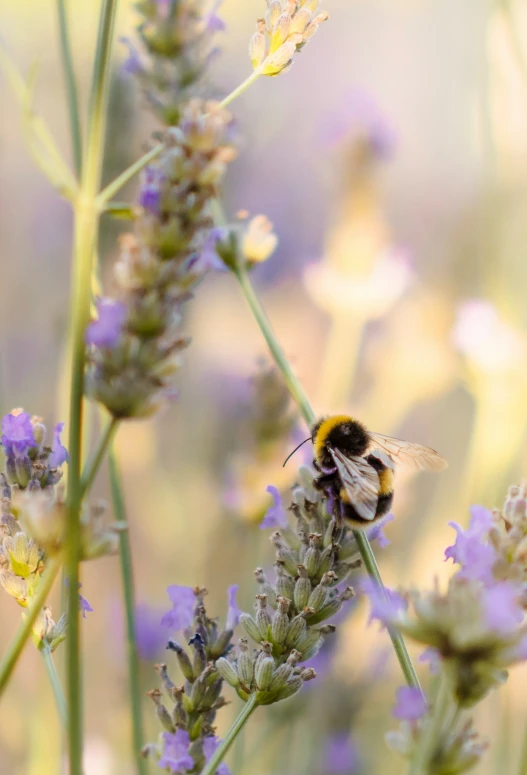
(356, 466)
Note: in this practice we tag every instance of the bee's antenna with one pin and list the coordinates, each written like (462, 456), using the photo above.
(309, 438)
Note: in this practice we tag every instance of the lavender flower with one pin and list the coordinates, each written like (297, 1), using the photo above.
(107, 329)
(275, 515)
(471, 549)
(59, 453)
(386, 604)
(17, 433)
(233, 612)
(341, 756)
(376, 533)
(150, 635)
(176, 757)
(410, 705)
(209, 747)
(84, 606)
(502, 608)
(181, 614)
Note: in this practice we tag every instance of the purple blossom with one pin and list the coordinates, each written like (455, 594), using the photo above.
(132, 64)
(501, 607)
(213, 23)
(233, 612)
(431, 655)
(106, 330)
(471, 550)
(59, 453)
(176, 757)
(150, 190)
(182, 612)
(341, 756)
(386, 604)
(149, 633)
(376, 533)
(275, 516)
(210, 745)
(17, 433)
(84, 606)
(206, 259)
(410, 704)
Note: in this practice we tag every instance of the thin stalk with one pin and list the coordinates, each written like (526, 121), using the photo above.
(431, 733)
(60, 700)
(93, 464)
(30, 615)
(522, 770)
(122, 179)
(129, 605)
(218, 756)
(297, 391)
(86, 233)
(71, 86)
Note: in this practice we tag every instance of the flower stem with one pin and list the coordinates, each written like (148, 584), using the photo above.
(86, 233)
(30, 615)
(60, 700)
(92, 466)
(239, 89)
(431, 734)
(297, 391)
(71, 86)
(220, 752)
(129, 604)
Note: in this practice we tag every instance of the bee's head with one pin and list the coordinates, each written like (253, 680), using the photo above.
(339, 432)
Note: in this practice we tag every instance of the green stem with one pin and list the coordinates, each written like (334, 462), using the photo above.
(93, 464)
(218, 756)
(129, 605)
(297, 391)
(71, 86)
(30, 615)
(431, 734)
(122, 179)
(239, 89)
(60, 700)
(523, 757)
(86, 233)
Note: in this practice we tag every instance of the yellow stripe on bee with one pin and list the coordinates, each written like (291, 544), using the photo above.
(326, 426)
(386, 481)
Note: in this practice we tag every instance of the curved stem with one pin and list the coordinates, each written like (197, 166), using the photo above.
(431, 734)
(218, 756)
(239, 89)
(297, 391)
(24, 631)
(60, 700)
(129, 605)
(86, 233)
(71, 86)
(93, 464)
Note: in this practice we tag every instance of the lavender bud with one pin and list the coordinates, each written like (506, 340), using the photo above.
(168, 684)
(296, 627)
(23, 470)
(312, 558)
(327, 559)
(319, 595)
(292, 687)
(257, 47)
(212, 694)
(300, 20)
(280, 676)
(264, 672)
(200, 657)
(161, 712)
(228, 672)
(14, 586)
(280, 31)
(179, 714)
(245, 664)
(311, 639)
(265, 587)
(250, 626)
(185, 664)
(285, 586)
(263, 619)
(287, 558)
(280, 622)
(273, 14)
(302, 588)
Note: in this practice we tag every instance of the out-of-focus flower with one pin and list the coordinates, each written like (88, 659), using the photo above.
(410, 704)
(368, 296)
(150, 634)
(376, 533)
(433, 658)
(288, 27)
(176, 757)
(502, 608)
(341, 756)
(487, 340)
(471, 549)
(84, 606)
(107, 329)
(358, 119)
(59, 453)
(209, 747)
(258, 240)
(183, 603)
(17, 433)
(233, 612)
(386, 604)
(275, 515)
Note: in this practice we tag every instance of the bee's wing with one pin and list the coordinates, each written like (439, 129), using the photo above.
(408, 453)
(360, 481)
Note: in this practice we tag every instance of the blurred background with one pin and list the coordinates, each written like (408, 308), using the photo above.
(392, 160)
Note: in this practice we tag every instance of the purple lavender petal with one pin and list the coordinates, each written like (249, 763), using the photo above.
(17, 433)
(275, 515)
(501, 607)
(376, 533)
(150, 635)
(233, 612)
(410, 704)
(182, 612)
(433, 658)
(175, 754)
(341, 756)
(386, 604)
(59, 453)
(107, 329)
(471, 549)
(210, 745)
